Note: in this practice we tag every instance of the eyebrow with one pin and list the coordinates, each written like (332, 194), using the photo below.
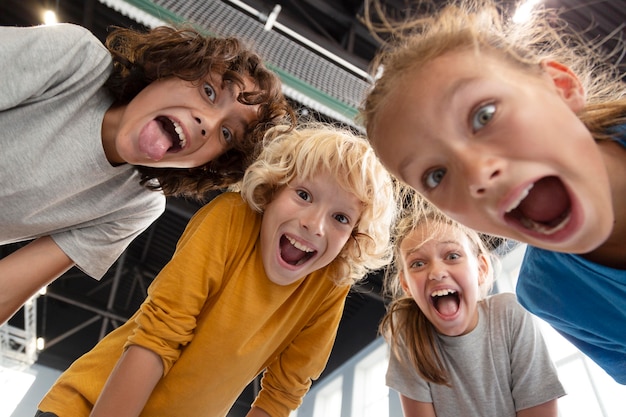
(457, 85)
(445, 242)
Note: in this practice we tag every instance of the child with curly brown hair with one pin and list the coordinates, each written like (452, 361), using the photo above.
(93, 139)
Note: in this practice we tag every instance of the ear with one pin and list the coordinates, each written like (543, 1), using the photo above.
(403, 283)
(567, 84)
(483, 268)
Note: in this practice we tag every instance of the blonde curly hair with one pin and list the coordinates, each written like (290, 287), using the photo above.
(313, 148)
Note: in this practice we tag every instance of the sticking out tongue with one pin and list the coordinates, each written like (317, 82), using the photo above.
(290, 253)
(154, 140)
(447, 305)
(547, 202)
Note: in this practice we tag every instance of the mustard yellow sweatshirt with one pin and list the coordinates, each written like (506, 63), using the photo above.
(217, 321)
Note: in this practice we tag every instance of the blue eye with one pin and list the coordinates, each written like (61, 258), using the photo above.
(209, 91)
(433, 178)
(416, 264)
(482, 116)
(454, 256)
(342, 219)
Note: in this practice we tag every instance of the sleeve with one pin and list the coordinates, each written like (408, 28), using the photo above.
(167, 318)
(403, 378)
(288, 378)
(96, 247)
(534, 376)
(39, 61)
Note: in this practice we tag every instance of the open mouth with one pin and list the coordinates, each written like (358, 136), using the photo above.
(174, 131)
(293, 252)
(446, 302)
(544, 208)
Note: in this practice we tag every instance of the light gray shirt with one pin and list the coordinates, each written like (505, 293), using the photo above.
(499, 368)
(54, 176)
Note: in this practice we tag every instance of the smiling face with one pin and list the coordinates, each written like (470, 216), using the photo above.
(499, 149)
(177, 124)
(441, 271)
(305, 227)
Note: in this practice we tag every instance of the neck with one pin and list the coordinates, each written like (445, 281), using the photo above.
(110, 129)
(612, 252)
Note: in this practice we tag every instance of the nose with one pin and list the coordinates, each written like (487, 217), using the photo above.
(199, 122)
(437, 272)
(312, 220)
(482, 173)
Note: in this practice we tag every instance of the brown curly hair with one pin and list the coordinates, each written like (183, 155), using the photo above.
(139, 58)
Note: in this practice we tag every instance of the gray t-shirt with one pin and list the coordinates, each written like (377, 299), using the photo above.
(500, 367)
(54, 176)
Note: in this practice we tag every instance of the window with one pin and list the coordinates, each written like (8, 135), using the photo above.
(328, 399)
(371, 396)
(590, 390)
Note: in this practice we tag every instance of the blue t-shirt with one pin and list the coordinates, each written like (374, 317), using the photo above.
(582, 300)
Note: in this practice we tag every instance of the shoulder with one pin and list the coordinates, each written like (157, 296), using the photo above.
(70, 30)
(226, 212)
(62, 33)
(229, 203)
(502, 300)
(505, 304)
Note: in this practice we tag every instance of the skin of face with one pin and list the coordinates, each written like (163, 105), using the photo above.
(315, 216)
(177, 124)
(443, 261)
(475, 135)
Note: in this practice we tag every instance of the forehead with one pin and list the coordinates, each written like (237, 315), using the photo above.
(334, 187)
(429, 103)
(430, 235)
(440, 77)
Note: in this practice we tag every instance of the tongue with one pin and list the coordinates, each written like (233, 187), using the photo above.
(447, 305)
(154, 141)
(546, 201)
(289, 253)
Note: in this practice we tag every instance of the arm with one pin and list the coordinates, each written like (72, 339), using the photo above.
(412, 408)
(288, 376)
(130, 384)
(27, 270)
(547, 409)
(257, 412)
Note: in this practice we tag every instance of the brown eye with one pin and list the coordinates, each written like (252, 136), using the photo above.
(209, 91)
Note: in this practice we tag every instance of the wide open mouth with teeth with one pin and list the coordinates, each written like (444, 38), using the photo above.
(293, 252)
(174, 131)
(544, 207)
(445, 301)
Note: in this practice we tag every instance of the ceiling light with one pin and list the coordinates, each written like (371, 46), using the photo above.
(50, 17)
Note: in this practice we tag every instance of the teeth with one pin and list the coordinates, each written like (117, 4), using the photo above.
(181, 135)
(299, 245)
(441, 293)
(541, 228)
(521, 197)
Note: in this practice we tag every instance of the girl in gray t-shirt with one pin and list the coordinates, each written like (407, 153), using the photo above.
(454, 350)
